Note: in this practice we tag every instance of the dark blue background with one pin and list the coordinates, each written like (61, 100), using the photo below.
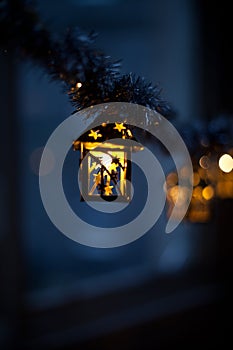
(170, 290)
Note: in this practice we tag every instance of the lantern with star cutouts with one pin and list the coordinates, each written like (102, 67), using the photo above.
(105, 166)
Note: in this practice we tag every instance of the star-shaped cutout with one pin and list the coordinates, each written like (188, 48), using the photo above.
(94, 134)
(113, 166)
(108, 190)
(97, 178)
(119, 127)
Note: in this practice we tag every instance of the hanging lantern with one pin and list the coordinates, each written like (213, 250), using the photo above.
(105, 166)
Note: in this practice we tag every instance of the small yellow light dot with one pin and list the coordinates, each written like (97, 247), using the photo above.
(78, 85)
(172, 179)
(196, 179)
(197, 192)
(226, 163)
(208, 192)
(173, 193)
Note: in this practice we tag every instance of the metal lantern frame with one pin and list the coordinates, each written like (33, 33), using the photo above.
(105, 166)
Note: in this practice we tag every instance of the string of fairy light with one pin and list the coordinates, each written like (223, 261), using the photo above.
(211, 149)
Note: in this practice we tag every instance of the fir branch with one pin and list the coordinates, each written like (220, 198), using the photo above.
(89, 77)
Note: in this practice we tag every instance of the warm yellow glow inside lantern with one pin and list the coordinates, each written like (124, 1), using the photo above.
(105, 166)
(106, 173)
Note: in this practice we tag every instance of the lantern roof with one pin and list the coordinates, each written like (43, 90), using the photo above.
(104, 132)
